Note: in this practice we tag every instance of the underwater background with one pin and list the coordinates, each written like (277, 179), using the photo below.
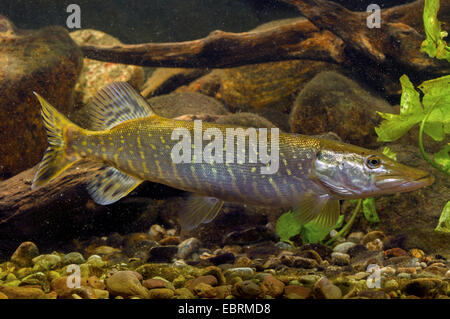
(135, 248)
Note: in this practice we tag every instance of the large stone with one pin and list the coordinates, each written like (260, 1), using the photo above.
(97, 74)
(46, 61)
(331, 102)
(176, 104)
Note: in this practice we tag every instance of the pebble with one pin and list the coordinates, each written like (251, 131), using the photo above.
(327, 289)
(24, 254)
(154, 283)
(395, 252)
(391, 284)
(387, 271)
(96, 261)
(447, 274)
(101, 294)
(183, 293)
(205, 291)
(170, 240)
(373, 235)
(187, 247)
(407, 270)
(340, 259)
(375, 245)
(161, 293)
(126, 284)
(355, 237)
(156, 232)
(344, 247)
(247, 289)
(208, 279)
(163, 253)
(22, 292)
(404, 275)
(243, 272)
(423, 287)
(225, 258)
(243, 261)
(301, 262)
(73, 258)
(223, 291)
(296, 292)
(96, 283)
(272, 286)
(417, 253)
(46, 262)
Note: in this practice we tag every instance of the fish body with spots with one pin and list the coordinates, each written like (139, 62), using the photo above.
(133, 144)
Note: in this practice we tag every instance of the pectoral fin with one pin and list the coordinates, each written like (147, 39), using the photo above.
(329, 214)
(321, 208)
(109, 185)
(309, 207)
(199, 210)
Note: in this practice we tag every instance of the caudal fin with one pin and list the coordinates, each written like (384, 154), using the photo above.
(55, 160)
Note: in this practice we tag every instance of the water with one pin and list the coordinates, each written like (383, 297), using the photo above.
(336, 87)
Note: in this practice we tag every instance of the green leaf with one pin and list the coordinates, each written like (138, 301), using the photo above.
(437, 96)
(369, 210)
(287, 226)
(434, 45)
(411, 112)
(444, 221)
(389, 153)
(442, 157)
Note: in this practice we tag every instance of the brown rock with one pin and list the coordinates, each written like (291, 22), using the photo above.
(3, 296)
(22, 292)
(161, 293)
(208, 279)
(332, 102)
(223, 291)
(177, 104)
(97, 74)
(423, 287)
(395, 252)
(296, 292)
(154, 283)
(126, 284)
(96, 283)
(46, 61)
(205, 291)
(272, 286)
(60, 286)
(170, 240)
(326, 289)
(24, 254)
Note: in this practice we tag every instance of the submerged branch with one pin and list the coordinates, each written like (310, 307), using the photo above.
(298, 40)
(330, 33)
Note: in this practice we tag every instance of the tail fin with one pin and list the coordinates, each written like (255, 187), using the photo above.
(55, 160)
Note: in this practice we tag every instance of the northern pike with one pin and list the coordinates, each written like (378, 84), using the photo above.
(132, 144)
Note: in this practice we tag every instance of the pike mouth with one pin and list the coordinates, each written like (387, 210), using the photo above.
(400, 184)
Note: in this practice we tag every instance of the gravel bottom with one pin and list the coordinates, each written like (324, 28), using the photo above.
(158, 265)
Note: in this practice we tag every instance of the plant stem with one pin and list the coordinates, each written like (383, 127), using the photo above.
(343, 232)
(422, 150)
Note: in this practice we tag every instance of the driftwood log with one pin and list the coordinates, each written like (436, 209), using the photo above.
(332, 33)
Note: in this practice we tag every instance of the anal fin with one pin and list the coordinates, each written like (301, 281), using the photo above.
(109, 185)
(199, 210)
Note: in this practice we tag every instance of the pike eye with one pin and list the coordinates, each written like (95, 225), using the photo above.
(373, 161)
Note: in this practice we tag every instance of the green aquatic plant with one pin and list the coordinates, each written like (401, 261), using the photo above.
(434, 45)
(432, 112)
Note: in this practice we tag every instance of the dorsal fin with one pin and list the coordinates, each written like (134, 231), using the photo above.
(116, 103)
